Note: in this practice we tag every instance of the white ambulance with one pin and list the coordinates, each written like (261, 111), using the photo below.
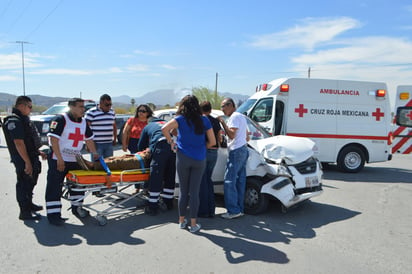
(402, 133)
(350, 121)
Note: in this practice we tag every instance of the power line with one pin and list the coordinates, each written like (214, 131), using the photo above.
(44, 19)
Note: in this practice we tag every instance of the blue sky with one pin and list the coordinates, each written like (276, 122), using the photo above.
(130, 47)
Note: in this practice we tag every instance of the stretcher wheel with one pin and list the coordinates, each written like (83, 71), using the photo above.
(102, 220)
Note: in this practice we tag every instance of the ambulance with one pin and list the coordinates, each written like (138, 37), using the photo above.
(402, 132)
(350, 121)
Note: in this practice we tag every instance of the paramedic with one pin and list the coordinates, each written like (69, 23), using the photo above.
(101, 119)
(162, 165)
(23, 143)
(66, 136)
(235, 175)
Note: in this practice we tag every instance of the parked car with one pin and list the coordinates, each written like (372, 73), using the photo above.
(168, 114)
(121, 120)
(281, 167)
(42, 121)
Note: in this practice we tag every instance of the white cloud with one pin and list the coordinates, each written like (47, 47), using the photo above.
(310, 33)
(7, 78)
(150, 53)
(366, 50)
(169, 67)
(62, 71)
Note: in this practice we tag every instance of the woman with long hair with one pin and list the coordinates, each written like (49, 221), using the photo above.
(192, 129)
(134, 127)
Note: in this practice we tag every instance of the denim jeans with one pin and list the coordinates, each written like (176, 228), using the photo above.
(235, 180)
(103, 149)
(206, 193)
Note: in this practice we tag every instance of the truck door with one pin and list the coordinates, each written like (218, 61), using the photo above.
(268, 116)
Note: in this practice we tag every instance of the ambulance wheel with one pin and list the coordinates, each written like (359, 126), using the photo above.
(102, 220)
(255, 201)
(351, 159)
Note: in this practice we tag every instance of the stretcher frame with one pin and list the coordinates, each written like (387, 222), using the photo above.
(111, 186)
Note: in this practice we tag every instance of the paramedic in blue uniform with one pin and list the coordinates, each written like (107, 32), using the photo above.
(162, 165)
(66, 136)
(23, 143)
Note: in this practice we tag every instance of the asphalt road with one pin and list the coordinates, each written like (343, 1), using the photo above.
(360, 224)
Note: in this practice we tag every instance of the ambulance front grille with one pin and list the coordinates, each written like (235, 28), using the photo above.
(306, 167)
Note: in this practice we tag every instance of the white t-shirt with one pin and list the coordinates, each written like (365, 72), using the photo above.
(237, 120)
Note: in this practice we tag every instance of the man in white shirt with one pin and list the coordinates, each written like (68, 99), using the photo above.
(235, 175)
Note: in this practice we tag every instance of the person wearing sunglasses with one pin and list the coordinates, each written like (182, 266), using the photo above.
(101, 119)
(235, 175)
(23, 143)
(134, 126)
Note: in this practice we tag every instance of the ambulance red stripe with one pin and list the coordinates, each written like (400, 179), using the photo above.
(338, 136)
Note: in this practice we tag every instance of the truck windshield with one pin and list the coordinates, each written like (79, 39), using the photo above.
(246, 106)
(56, 110)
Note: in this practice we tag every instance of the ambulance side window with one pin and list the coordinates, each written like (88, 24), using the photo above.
(280, 107)
(262, 112)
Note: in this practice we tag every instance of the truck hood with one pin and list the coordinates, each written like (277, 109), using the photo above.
(41, 117)
(292, 150)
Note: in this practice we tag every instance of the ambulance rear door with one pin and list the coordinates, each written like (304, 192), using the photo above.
(402, 136)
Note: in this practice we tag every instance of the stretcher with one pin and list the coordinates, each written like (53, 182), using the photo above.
(109, 186)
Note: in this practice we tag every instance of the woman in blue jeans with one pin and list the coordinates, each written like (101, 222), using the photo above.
(191, 146)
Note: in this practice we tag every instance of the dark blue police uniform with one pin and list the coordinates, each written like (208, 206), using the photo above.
(18, 126)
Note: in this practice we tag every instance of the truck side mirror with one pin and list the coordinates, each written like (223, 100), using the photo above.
(404, 116)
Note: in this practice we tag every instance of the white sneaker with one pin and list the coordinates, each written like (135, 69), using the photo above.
(194, 229)
(227, 215)
(183, 225)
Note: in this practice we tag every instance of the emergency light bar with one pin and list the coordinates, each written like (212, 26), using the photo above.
(380, 93)
(284, 88)
(404, 95)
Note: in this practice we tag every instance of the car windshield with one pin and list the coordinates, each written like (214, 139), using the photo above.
(256, 132)
(56, 110)
(245, 107)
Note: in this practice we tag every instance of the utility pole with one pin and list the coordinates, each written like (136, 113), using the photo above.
(22, 62)
(216, 89)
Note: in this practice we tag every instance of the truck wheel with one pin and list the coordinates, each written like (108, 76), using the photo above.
(351, 159)
(255, 201)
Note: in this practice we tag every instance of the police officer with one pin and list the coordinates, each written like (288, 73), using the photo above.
(66, 136)
(23, 142)
(162, 165)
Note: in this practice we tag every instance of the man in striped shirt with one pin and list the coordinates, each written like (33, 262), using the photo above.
(101, 119)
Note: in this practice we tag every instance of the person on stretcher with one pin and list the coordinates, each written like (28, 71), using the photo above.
(123, 162)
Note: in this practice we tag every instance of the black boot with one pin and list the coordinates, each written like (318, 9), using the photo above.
(34, 207)
(28, 215)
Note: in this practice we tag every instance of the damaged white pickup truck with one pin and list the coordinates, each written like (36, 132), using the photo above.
(280, 167)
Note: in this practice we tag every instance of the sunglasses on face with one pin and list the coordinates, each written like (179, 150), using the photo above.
(30, 106)
(108, 105)
(225, 105)
(142, 111)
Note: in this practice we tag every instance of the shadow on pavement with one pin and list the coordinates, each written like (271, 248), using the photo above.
(369, 174)
(246, 236)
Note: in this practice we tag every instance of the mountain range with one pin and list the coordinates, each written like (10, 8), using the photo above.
(159, 97)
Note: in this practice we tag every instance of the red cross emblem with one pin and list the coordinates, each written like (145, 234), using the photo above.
(76, 137)
(378, 114)
(301, 110)
(409, 115)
